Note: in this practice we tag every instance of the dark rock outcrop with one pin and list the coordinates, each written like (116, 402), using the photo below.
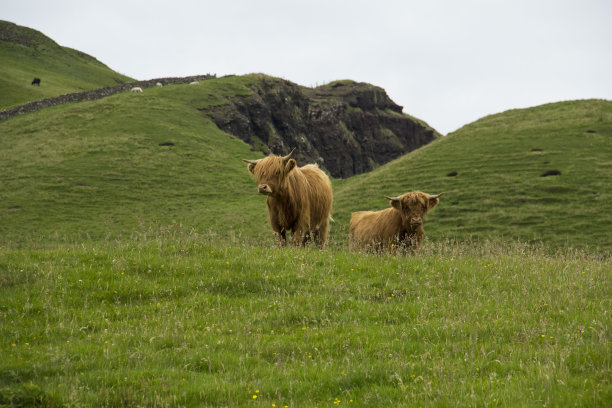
(347, 127)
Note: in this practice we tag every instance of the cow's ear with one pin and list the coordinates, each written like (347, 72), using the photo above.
(252, 164)
(395, 202)
(290, 166)
(433, 200)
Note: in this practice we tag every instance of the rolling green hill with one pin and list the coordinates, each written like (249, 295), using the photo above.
(97, 169)
(128, 163)
(26, 53)
(491, 172)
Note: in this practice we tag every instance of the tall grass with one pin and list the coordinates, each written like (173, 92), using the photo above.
(171, 318)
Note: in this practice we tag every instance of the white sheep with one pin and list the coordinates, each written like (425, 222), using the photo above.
(194, 83)
(136, 89)
(159, 85)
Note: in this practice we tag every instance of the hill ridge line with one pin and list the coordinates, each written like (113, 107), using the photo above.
(99, 93)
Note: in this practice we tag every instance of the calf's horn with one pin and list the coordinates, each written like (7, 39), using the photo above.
(392, 198)
(436, 196)
(290, 155)
(250, 161)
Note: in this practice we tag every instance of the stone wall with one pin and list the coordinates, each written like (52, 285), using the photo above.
(97, 94)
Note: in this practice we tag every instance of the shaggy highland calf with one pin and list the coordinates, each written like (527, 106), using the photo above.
(299, 198)
(400, 226)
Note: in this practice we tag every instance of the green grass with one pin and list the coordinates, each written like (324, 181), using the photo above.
(62, 70)
(98, 169)
(134, 274)
(498, 192)
(180, 319)
(95, 170)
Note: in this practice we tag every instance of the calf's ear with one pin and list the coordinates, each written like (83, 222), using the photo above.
(433, 200)
(395, 202)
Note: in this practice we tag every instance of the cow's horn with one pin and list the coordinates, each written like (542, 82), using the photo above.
(250, 161)
(290, 155)
(392, 198)
(436, 196)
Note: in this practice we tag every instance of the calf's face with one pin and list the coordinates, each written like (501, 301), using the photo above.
(413, 207)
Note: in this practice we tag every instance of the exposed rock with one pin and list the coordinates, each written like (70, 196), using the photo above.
(346, 127)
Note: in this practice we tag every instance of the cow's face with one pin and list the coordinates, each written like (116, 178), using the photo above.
(271, 173)
(413, 207)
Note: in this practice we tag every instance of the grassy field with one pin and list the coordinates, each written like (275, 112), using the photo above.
(173, 318)
(27, 53)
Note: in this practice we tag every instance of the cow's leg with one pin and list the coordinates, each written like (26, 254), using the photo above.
(280, 232)
(320, 235)
(307, 237)
(414, 240)
(299, 237)
(418, 238)
(301, 230)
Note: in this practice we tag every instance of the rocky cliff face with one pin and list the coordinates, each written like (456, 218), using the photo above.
(347, 127)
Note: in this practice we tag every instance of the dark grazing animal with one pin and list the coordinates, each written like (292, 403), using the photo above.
(299, 198)
(36, 81)
(400, 226)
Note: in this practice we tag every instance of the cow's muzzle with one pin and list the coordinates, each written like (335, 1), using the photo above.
(416, 222)
(264, 189)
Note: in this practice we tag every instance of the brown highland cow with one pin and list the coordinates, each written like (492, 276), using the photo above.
(400, 226)
(299, 198)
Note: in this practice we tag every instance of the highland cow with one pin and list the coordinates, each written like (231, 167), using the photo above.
(299, 199)
(400, 226)
(36, 81)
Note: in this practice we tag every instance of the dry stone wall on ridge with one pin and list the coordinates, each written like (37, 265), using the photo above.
(97, 94)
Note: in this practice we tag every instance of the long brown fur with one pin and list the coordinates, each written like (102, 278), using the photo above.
(299, 198)
(400, 226)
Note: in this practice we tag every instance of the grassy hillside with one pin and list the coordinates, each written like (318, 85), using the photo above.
(498, 191)
(96, 169)
(27, 53)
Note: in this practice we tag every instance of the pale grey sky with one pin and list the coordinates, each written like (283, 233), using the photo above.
(448, 62)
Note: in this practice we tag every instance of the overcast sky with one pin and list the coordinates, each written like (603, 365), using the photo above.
(448, 62)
